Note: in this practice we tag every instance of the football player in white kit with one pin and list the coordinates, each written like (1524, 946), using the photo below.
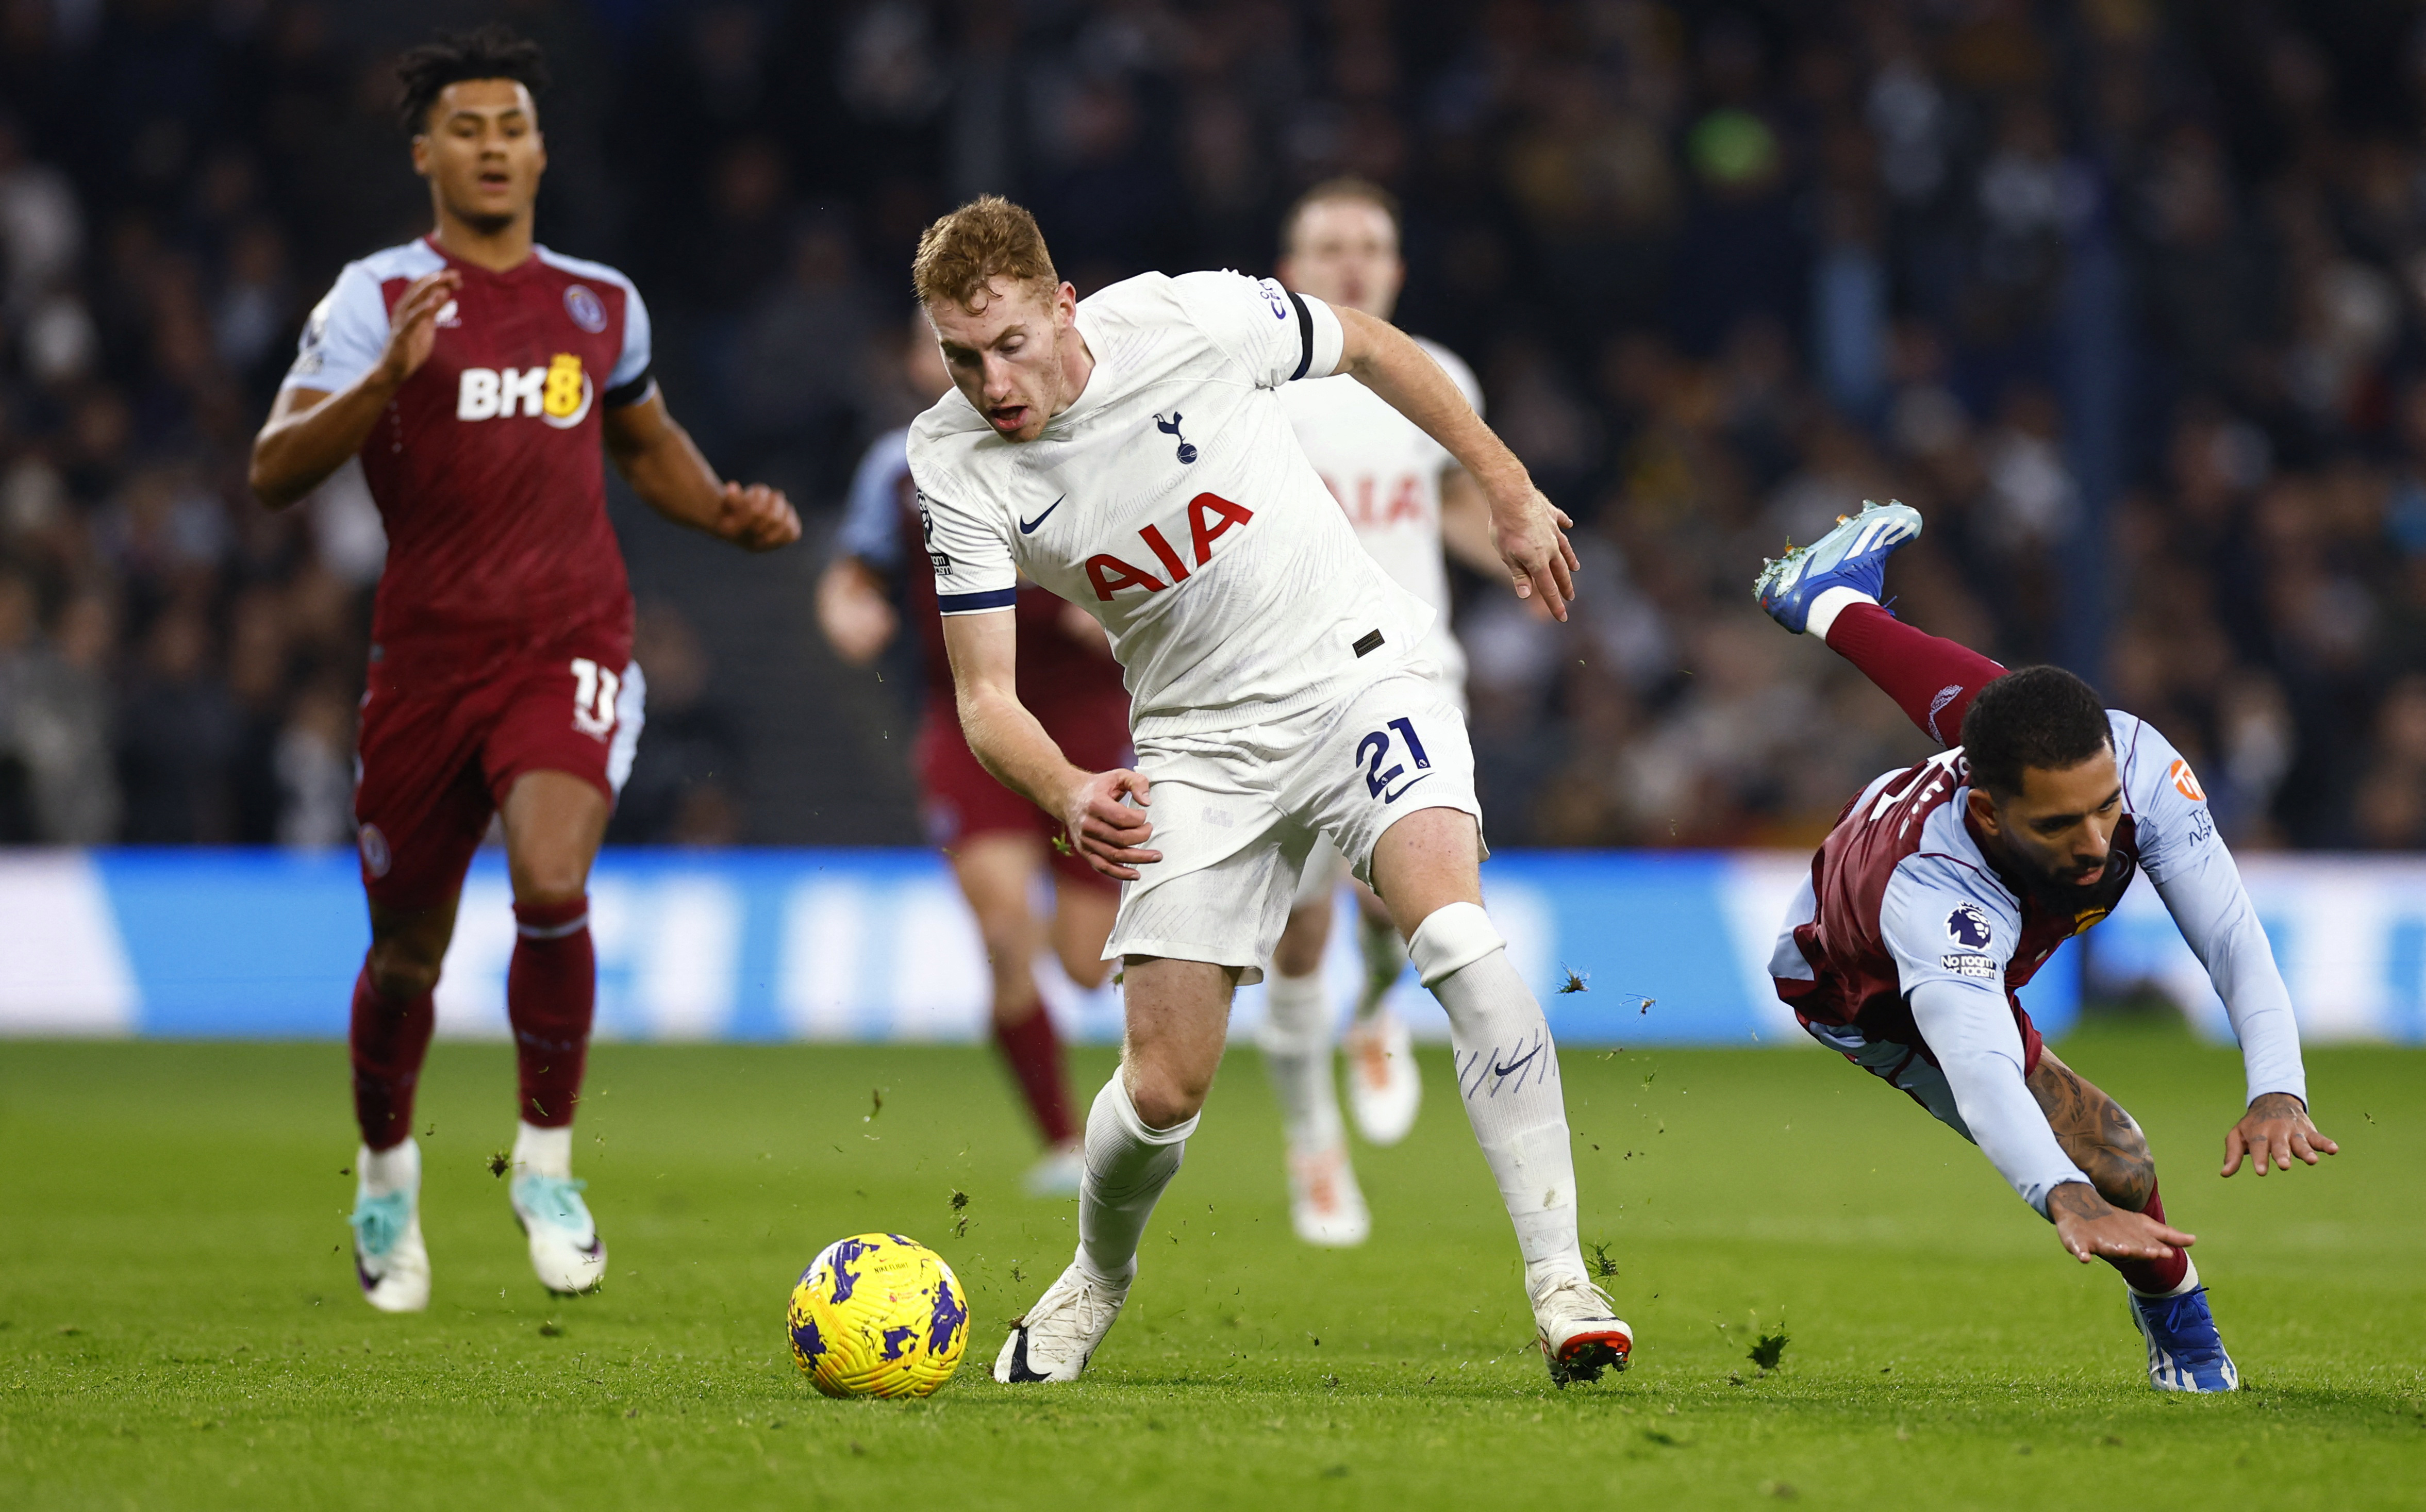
(1408, 500)
(1131, 454)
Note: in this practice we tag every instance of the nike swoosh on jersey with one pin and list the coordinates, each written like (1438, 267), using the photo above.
(1392, 798)
(1028, 527)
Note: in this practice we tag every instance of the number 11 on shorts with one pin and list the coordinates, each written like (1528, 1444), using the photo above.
(593, 697)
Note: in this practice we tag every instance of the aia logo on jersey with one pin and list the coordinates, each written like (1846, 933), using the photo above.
(559, 394)
(1210, 516)
(2186, 782)
(1968, 926)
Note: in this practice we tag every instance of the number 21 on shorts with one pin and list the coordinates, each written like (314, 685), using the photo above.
(593, 697)
(1375, 748)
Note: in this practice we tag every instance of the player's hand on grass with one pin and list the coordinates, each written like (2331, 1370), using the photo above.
(413, 325)
(1108, 830)
(2276, 1128)
(2091, 1227)
(1532, 535)
(756, 517)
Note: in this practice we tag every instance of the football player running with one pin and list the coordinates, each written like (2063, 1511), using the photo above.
(479, 375)
(1946, 885)
(1131, 454)
(1407, 499)
(998, 843)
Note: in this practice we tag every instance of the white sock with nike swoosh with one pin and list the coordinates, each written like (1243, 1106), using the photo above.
(1507, 1076)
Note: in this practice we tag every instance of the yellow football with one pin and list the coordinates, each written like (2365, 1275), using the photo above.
(879, 1316)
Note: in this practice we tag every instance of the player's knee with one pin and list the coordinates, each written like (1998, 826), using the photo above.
(399, 973)
(1086, 967)
(1300, 951)
(1165, 1098)
(550, 876)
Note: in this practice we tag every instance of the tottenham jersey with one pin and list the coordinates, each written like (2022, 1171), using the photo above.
(1385, 472)
(1172, 501)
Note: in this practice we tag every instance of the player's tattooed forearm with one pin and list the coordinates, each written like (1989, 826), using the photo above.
(2074, 1200)
(2277, 1105)
(2096, 1134)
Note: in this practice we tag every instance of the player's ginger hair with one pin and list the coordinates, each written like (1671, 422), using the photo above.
(987, 238)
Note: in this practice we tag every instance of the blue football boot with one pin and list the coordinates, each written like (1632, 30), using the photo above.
(2185, 1353)
(1853, 554)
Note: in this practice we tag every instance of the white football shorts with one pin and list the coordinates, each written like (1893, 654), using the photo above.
(1237, 814)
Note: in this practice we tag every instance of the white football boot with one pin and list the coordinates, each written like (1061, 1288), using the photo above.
(1326, 1206)
(1383, 1087)
(1054, 1339)
(565, 1248)
(1057, 1173)
(1580, 1333)
(390, 1260)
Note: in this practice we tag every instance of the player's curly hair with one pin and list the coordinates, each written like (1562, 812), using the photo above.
(491, 52)
(1347, 188)
(2039, 717)
(987, 238)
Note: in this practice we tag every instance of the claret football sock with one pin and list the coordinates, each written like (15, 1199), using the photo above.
(2158, 1279)
(551, 989)
(387, 1040)
(1296, 1040)
(1033, 1052)
(1507, 1075)
(1128, 1166)
(1931, 679)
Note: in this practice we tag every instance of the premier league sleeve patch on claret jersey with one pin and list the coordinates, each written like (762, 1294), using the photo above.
(1968, 927)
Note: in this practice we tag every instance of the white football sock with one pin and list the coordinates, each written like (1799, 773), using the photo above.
(387, 1172)
(1128, 1166)
(1385, 959)
(1831, 602)
(544, 1151)
(1297, 1051)
(1508, 1074)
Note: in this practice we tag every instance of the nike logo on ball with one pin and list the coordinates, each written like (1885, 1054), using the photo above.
(1028, 527)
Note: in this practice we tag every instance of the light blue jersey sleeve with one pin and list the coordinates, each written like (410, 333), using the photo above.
(2195, 873)
(1951, 930)
(345, 336)
(870, 529)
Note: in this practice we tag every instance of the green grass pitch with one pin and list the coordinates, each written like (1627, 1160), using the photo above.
(179, 1327)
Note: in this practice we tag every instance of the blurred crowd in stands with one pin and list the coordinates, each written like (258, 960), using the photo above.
(2129, 298)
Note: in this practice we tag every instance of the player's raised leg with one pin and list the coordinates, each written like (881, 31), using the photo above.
(997, 871)
(554, 823)
(1178, 1015)
(1426, 866)
(2168, 1305)
(1831, 589)
(394, 1014)
(1326, 1206)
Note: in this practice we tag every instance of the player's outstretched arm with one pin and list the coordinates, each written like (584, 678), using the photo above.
(1008, 741)
(1529, 530)
(656, 456)
(2275, 1128)
(311, 431)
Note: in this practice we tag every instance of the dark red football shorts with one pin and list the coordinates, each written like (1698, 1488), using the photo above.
(439, 755)
(960, 799)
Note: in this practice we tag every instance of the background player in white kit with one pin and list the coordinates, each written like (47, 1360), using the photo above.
(1408, 500)
(1131, 455)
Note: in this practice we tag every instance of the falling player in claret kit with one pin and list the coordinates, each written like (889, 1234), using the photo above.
(1411, 505)
(479, 375)
(1946, 885)
(1130, 452)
